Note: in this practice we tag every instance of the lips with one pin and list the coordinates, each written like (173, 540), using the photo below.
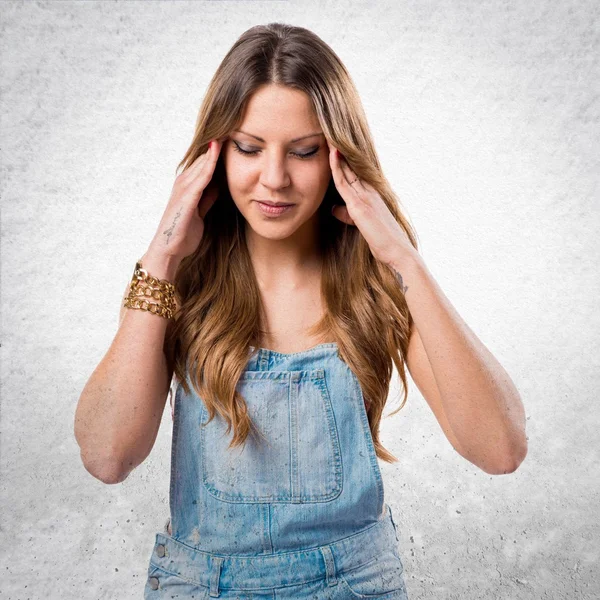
(275, 203)
(270, 210)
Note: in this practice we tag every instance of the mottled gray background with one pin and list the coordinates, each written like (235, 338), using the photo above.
(485, 115)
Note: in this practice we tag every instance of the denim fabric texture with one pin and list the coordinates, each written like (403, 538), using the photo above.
(299, 512)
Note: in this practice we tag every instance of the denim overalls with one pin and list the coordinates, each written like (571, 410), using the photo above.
(299, 512)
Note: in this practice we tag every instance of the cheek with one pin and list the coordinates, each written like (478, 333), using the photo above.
(237, 177)
(239, 171)
(319, 183)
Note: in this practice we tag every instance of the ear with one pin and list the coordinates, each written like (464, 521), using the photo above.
(341, 212)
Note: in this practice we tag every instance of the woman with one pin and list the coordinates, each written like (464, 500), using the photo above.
(284, 283)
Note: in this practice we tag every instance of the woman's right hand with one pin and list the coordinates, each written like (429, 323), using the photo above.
(182, 225)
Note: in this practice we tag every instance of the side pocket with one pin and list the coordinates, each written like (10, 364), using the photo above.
(376, 578)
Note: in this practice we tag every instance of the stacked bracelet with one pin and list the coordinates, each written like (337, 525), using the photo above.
(143, 286)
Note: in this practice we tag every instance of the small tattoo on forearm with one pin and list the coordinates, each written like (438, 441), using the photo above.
(169, 231)
(402, 286)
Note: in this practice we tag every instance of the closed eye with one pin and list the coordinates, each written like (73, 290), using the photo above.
(304, 155)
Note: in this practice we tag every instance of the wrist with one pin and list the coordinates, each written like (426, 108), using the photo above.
(407, 267)
(405, 261)
(160, 265)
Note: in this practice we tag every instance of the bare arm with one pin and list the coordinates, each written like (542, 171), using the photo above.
(470, 393)
(119, 411)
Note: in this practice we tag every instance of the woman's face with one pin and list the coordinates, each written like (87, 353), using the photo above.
(281, 167)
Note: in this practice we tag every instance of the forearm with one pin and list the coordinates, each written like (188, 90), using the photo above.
(480, 400)
(120, 408)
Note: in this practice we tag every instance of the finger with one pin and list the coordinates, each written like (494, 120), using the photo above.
(353, 181)
(196, 167)
(342, 173)
(202, 175)
(336, 171)
(208, 168)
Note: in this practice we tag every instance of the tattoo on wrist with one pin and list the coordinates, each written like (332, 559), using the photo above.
(169, 232)
(399, 278)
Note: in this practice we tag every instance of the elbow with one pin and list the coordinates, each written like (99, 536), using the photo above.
(511, 463)
(101, 464)
(519, 457)
(106, 471)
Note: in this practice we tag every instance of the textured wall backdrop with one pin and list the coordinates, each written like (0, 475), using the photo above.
(485, 115)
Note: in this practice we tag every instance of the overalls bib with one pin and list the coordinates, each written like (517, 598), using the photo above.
(299, 512)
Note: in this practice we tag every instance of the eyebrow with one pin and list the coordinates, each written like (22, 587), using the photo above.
(292, 141)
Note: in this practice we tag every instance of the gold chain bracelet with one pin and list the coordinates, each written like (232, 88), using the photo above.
(144, 286)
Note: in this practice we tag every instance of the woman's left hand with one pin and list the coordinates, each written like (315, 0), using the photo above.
(366, 210)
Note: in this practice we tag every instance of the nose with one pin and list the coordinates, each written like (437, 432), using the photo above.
(273, 171)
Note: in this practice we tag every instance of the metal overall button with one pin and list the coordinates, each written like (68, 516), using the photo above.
(160, 550)
(153, 581)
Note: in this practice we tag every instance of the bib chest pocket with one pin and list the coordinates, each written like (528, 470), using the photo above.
(296, 458)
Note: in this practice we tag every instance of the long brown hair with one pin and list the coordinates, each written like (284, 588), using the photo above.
(220, 313)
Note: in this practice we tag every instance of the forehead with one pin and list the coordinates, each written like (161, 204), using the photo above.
(279, 113)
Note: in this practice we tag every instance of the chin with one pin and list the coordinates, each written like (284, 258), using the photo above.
(272, 231)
